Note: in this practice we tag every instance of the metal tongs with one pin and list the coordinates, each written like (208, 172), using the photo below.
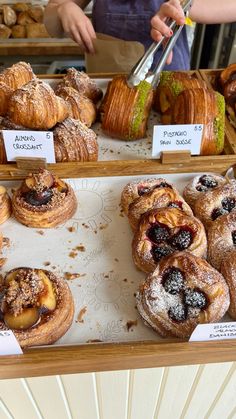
(141, 70)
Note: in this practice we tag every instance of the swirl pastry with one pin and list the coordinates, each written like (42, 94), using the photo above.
(81, 107)
(215, 203)
(202, 106)
(43, 200)
(161, 197)
(5, 205)
(221, 238)
(81, 82)
(201, 184)
(164, 231)
(134, 104)
(228, 270)
(37, 305)
(74, 141)
(182, 292)
(36, 106)
(171, 84)
(133, 190)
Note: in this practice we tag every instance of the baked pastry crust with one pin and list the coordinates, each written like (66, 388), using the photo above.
(201, 184)
(162, 197)
(17, 75)
(214, 204)
(43, 201)
(81, 107)
(74, 141)
(36, 106)
(5, 205)
(163, 231)
(134, 104)
(221, 238)
(133, 190)
(81, 82)
(182, 292)
(52, 317)
(228, 270)
(202, 106)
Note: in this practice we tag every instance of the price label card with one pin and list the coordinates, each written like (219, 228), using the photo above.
(176, 137)
(214, 331)
(9, 344)
(29, 144)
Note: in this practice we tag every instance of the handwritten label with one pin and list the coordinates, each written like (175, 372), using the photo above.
(29, 144)
(8, 343)
(214, 331)
(176, 137)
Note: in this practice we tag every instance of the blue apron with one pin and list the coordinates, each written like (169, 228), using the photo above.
(130, 20)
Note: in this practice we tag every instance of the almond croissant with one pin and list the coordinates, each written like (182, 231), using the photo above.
(11, 79)
(73, 141)
(36, 106)
(81, 107)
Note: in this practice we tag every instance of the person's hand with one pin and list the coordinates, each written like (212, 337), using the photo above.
(77, 25)
(171, 9)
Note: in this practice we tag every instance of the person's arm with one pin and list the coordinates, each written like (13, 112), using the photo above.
(202, 11)
(67, 17)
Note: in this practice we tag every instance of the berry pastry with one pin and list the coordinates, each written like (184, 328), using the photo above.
(228, 270)
(201, 184)
(165, 231)
(215, 203)
(221, 238)
(182, 292)
(43, 200)
(37, 305)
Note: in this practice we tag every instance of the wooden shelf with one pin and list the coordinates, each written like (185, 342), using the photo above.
(37, 47)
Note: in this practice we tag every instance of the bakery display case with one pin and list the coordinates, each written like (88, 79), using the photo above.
(94, 255)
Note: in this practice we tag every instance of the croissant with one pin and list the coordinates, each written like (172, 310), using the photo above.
(17, 75)
(36, 106)
(5, 94)
(171, 84)
(81, 107)
(125, 110)
(81, 82)
(74, 141)
(202, 106)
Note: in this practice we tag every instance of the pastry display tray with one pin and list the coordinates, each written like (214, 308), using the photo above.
(92, 251)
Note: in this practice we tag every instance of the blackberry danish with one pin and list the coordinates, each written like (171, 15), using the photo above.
(164, 231)
(201, 184)
(183, 291)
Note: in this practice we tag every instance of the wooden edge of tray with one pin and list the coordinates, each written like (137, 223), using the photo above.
(96, 357)
(216, 164)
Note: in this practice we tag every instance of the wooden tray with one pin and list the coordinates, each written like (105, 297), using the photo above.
(116, 356)
(211, 77)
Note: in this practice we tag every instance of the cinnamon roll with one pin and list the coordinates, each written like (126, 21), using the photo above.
(228, 270)
(201, 184)
(183, 291)
(37, 305)
(215, 203)
(43, 200)
(162, 231)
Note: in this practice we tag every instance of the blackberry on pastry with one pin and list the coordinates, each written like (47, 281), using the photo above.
(213, 204)
(183, 291)
(163, 231)
(43, 200)
(37, 305)
(201, 184)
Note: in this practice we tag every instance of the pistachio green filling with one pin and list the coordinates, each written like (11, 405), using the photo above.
(144, 89)
(167, 78)
(219, 122)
